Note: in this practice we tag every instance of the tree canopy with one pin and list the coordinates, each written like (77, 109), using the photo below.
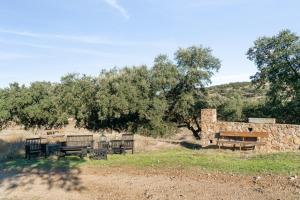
(152, 101)
(278, 62)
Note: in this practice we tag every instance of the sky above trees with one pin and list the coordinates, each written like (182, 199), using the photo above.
(43, 40)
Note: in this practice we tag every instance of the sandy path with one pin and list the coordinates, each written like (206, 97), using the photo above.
(119, 183)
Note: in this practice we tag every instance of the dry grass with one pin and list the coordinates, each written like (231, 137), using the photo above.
(11, 146)
(12, 140)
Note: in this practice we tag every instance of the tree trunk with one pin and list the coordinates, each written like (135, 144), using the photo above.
(197, 124)
(194, 131)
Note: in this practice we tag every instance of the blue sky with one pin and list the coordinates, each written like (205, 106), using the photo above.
(45, 39)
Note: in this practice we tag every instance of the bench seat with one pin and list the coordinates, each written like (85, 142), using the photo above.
(241, 142)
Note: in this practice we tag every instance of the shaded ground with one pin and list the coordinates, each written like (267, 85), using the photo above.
(132, 183)
(49, 173)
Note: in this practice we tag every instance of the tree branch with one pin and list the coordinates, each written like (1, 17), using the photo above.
(292, 68)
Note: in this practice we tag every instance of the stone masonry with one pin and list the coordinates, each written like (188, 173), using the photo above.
(282, 137)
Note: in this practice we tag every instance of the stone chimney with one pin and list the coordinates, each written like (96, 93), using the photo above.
(208, 115)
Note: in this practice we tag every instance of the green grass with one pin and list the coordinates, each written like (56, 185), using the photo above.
(209, 160)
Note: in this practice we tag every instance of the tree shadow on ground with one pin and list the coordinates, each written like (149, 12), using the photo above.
(186, 144)
(50, 172)
(195, 146)
(190, 145)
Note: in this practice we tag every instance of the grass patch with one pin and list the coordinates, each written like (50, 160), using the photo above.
(210, 160)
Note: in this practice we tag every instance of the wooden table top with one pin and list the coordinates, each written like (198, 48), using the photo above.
(244, 134)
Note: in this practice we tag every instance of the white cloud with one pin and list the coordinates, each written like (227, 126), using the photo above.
(85, 39)
(21, 33)
(13, 56)
(89, 39)
(116, 5)
(41, 46)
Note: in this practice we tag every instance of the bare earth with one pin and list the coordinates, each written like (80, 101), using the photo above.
(129, 183)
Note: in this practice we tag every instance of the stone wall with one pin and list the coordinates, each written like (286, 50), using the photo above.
(282, 137)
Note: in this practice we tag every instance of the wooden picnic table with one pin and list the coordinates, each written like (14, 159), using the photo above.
(242, 139)
(76, 145)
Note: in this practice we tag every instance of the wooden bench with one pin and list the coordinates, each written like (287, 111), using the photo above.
(120, 146)
(77, 145)
(128, 142)
(33, 147)
(241, 139)
(116, 146)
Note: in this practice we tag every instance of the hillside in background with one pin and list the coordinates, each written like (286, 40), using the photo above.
(244, 89)
(236, 101)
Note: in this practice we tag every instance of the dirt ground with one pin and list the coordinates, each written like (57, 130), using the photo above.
(128, 183)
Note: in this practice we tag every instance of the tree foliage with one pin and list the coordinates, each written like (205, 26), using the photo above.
(31, 106)
(278, 62)
(152, 101)
(76, 98)
(196, 66)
